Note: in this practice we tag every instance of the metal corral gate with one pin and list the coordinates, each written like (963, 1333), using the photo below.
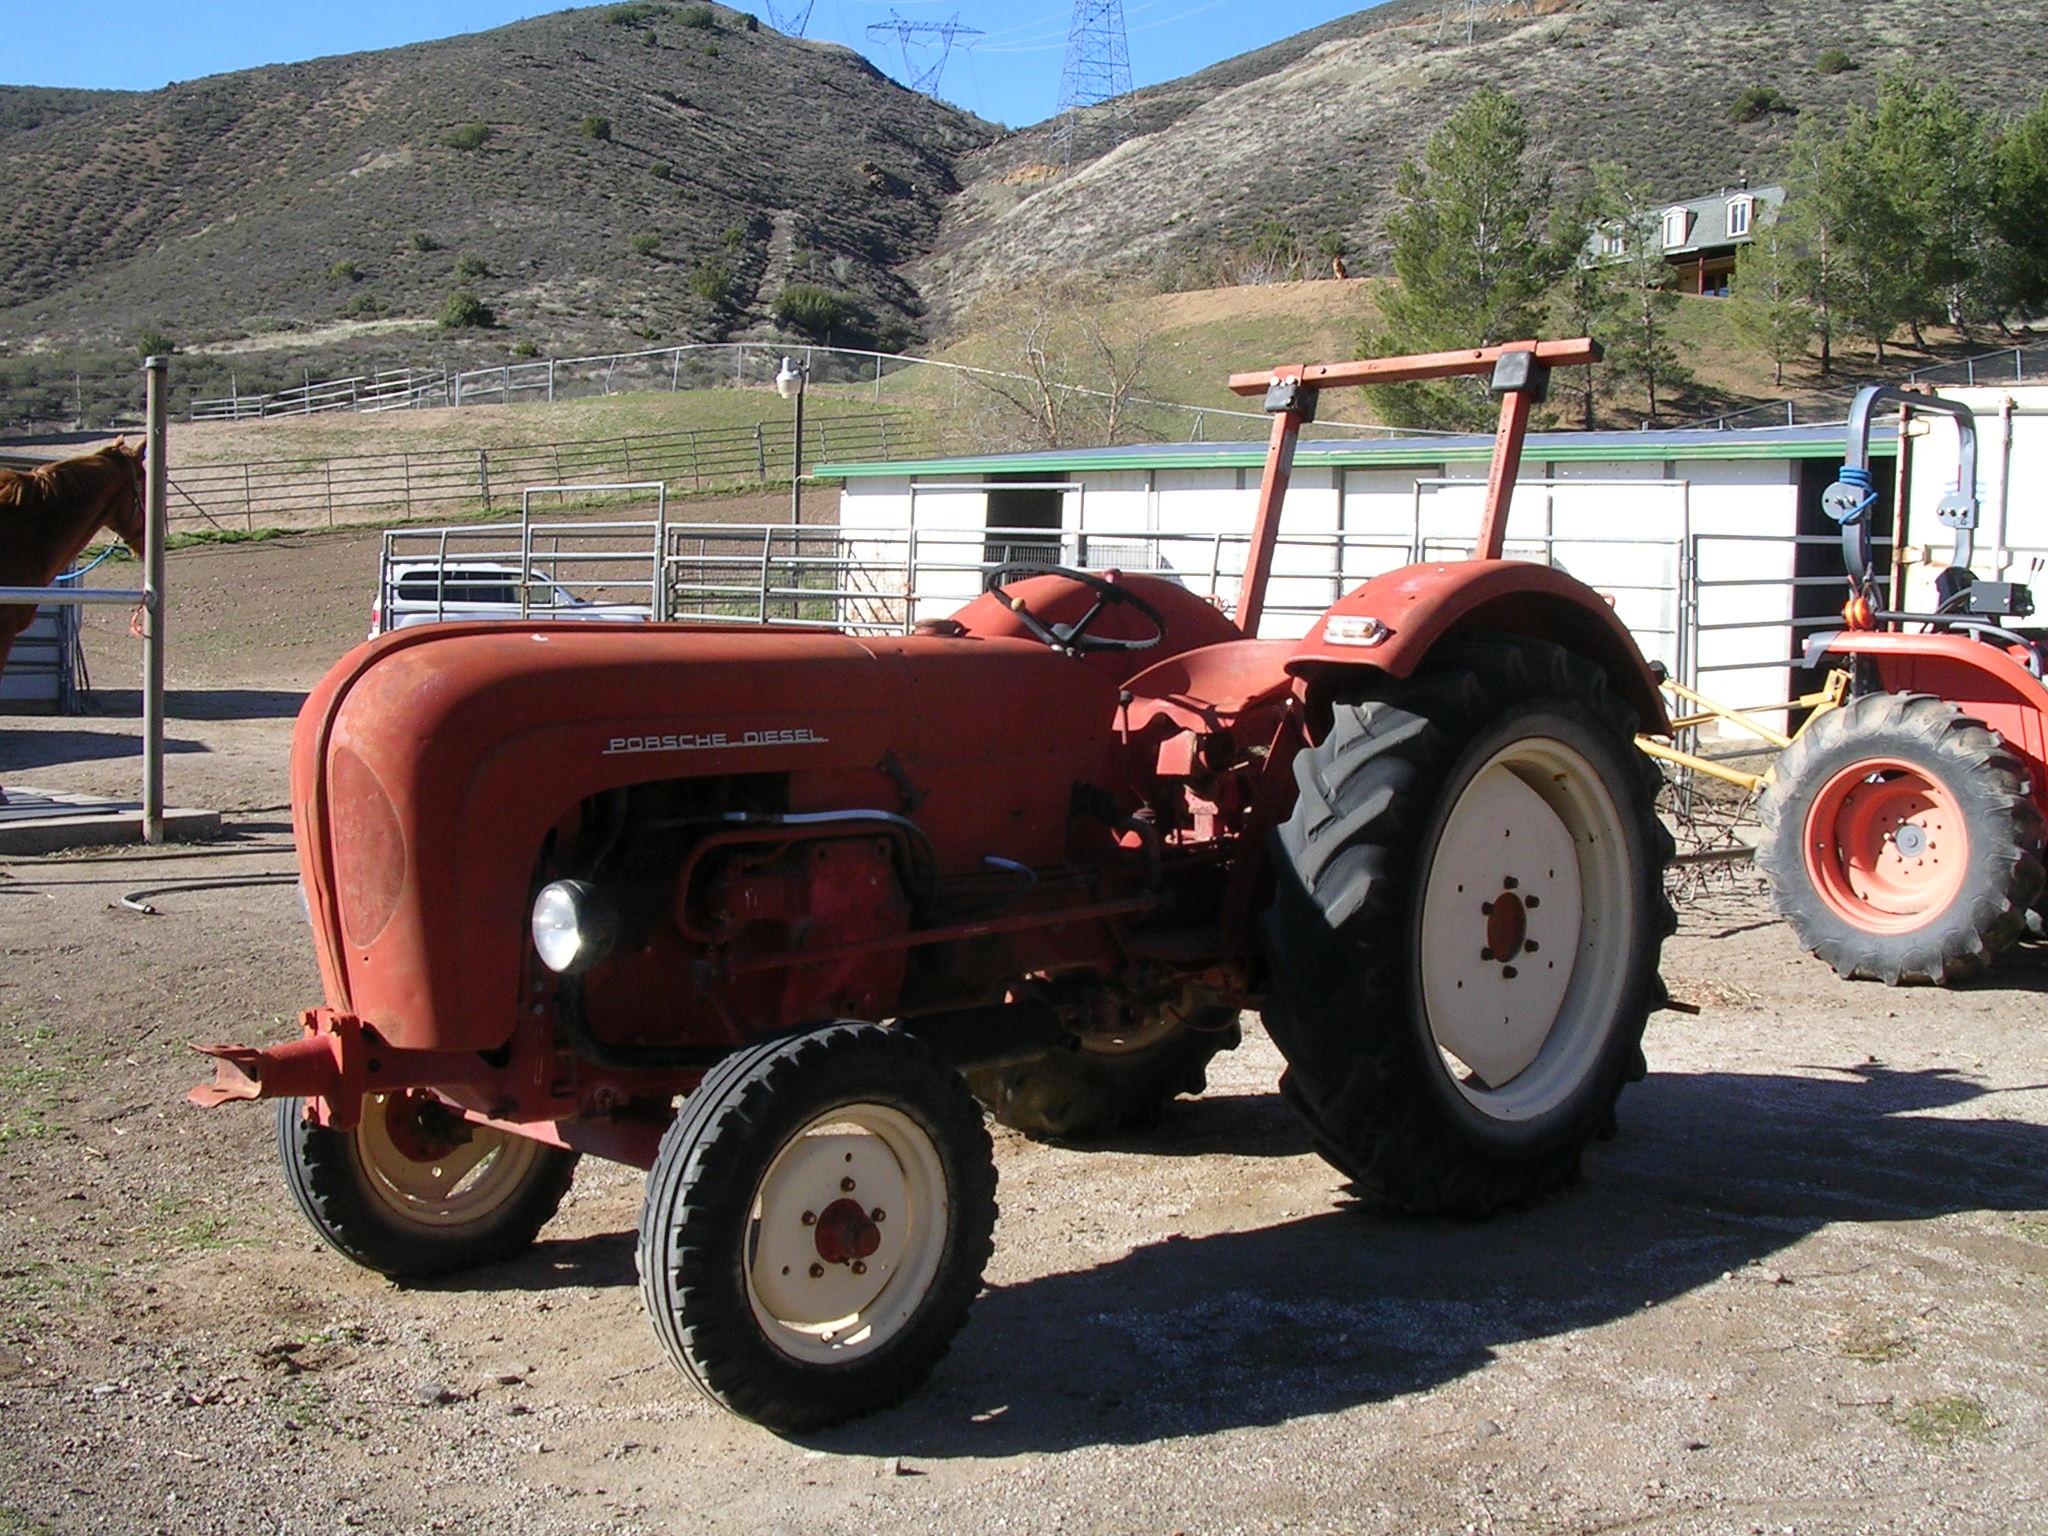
(43, 668)
(884, 580)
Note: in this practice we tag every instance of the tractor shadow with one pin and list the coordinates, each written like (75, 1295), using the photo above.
(1190, 1336)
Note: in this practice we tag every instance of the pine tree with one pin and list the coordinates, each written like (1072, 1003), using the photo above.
(1641, 295)
(1806, 225)
(1767, 304)
(1471, 254)
(2017, 276)
(1931, 159)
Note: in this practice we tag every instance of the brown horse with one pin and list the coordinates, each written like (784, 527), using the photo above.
(48, 515)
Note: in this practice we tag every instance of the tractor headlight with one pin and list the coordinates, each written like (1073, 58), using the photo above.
(575, 925)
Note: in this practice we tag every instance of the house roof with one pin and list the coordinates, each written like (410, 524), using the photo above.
(1708, 226)
(1386, 453)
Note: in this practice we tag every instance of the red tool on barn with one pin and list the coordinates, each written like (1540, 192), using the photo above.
(816, 886)
(1903, 829)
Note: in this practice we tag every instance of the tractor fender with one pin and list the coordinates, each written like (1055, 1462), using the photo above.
(1392, 622)
(1986, 681)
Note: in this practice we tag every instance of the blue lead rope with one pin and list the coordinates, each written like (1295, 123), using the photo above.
(1857, 478)
(103, 556)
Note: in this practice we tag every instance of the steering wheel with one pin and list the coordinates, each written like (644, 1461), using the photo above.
(1074, 638)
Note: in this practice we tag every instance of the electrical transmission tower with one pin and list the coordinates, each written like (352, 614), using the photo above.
(790, 20)
(1097, 68)
(930, 37)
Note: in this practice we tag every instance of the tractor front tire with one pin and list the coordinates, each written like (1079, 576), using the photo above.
(1900, 840)
(816, 1225)
(1105, 1085)
(415, 1191)
(1465, 934)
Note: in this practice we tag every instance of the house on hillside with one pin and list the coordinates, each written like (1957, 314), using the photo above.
(1698, 237)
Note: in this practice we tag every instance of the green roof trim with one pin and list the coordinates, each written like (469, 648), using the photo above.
(1548, 448)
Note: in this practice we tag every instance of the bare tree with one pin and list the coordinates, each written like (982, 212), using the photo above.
(1068, 366)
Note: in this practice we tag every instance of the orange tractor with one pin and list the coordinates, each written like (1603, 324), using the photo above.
(1902, 827)
(765, 910)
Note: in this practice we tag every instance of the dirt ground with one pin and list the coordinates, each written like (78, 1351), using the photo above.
(1802, 1291)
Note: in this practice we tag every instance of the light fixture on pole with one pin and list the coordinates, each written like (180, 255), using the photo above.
(789, 384)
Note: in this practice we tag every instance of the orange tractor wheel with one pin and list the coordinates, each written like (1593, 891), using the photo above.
(1900, 841)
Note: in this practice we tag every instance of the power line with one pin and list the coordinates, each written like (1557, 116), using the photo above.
(930, 37)
(1097, 68)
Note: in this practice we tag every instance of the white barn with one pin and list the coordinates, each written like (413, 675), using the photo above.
(1711, 544)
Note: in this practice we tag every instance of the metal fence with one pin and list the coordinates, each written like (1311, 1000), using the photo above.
(712, 365)
(389, 487)
(590, 568)
(2012, 365)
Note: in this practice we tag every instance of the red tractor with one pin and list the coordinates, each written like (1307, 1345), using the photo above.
(822, 892)
(1903, 827)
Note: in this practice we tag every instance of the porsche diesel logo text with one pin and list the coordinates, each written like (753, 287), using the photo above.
(715, 741)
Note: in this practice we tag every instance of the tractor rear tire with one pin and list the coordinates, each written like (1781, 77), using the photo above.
(400, 1195)
(1465, 933)
(816, 1225)
(1104, 1086)
(1900, 840)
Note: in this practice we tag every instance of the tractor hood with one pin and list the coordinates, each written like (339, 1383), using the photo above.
(430, 764)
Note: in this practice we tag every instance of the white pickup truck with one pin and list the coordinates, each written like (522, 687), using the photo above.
(429, 592)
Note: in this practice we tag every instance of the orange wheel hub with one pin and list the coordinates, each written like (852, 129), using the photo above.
(1885, 846)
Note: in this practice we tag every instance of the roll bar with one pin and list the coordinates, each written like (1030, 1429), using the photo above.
(1850, 500)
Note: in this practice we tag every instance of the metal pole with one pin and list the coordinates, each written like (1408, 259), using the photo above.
(155, 527)
(796, 455)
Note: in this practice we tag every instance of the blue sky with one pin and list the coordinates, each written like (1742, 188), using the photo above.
(1009, 75)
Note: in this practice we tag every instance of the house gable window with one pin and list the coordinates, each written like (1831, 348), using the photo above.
(1677, 227)
(1739, 210)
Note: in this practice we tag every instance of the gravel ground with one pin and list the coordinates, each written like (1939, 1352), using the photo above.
(1802, 1291)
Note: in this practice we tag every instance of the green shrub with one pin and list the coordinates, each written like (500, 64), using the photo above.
(733, 236)
(808, 307)
(699, 16)
(525, 349)
(155, 342)
(1758, 102)
(471, 269)
(345, 272)
(422, 241)
(661, 170)
(1833, 61)
(712, 282)
(467, 136)
(364, 306)
(595, 128)
(645, 244)
(463, 310)
(633, 15)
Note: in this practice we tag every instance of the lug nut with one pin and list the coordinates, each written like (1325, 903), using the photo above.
(846, 1184)
(810, 1218)
(817, 1271)
(878, 1214)
(860, 1266)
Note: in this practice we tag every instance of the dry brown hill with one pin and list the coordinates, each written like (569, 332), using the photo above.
(597, 176)
(1306, 136)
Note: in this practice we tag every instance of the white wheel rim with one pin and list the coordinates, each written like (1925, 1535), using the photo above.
(827, 1278)
(471, 1183)
(1532, 859)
